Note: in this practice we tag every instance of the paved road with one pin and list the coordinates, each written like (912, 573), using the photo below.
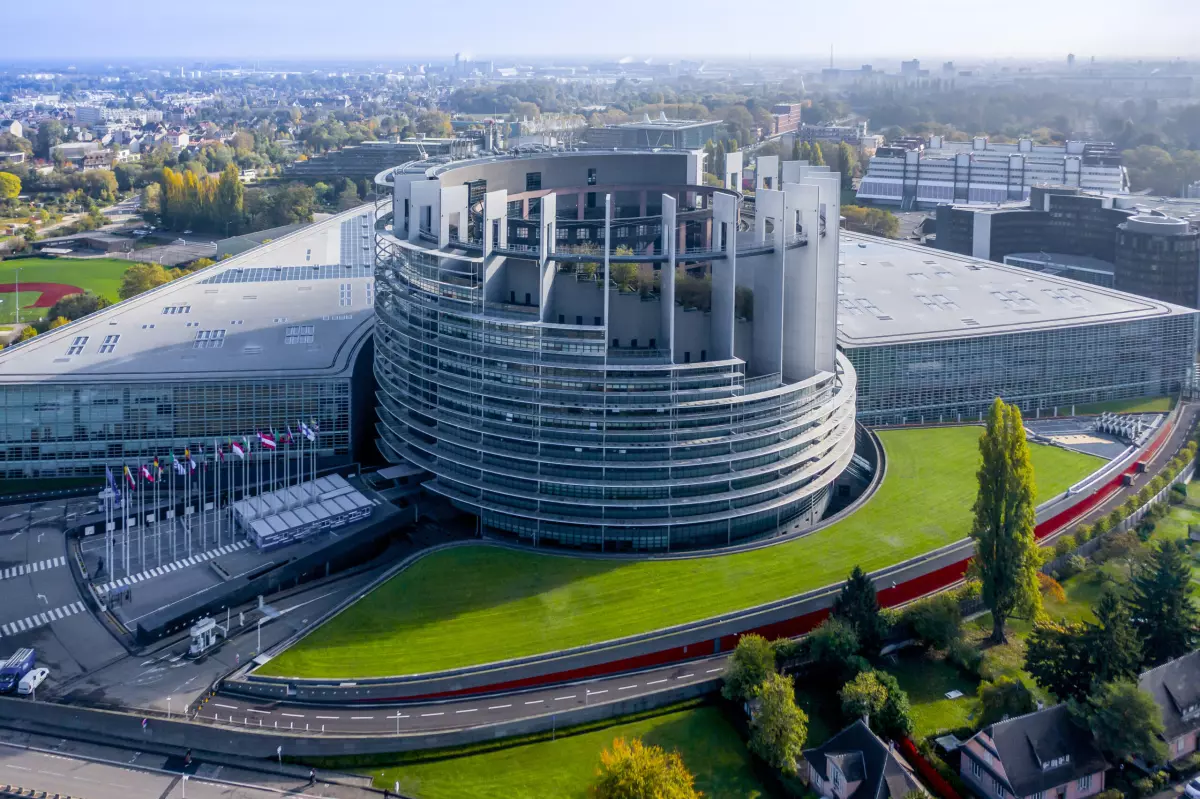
(43, 763)
(241, 712)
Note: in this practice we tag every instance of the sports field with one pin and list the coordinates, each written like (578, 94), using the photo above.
(566, 767)
(482, 604)
(101, 276)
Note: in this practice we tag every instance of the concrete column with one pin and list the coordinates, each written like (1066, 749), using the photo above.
(767, 355)
(642, 204)
(724, 275)
(766, 166)
(733, 171)
(801, 203)
(666, 287)
(608, 211)
(580, 206)
(455, 201)
(525, 208)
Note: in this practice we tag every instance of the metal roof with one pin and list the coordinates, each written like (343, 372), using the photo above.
(296, 306)
(893, 292)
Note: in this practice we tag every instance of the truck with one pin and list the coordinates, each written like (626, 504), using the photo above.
(16, 667)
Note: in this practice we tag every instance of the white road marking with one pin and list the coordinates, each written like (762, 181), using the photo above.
(428, 715)
(626, 687)
(536, 702)
(291, 715)
(656, 682)
(713, 671)
(254, 710)
(561, 698)
(363, 718)
(229, 707)
(328, 718)
(597, 693)
(684, 676)
(498, 707)
(471, 710)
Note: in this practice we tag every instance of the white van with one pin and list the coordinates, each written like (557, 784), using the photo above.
(32, 680)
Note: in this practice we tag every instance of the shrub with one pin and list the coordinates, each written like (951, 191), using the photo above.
(1077, 563)
(971, 589)
(1083, 534)
(964, 656)
(1110, 793)
(936, 621)
(1063, 545)
(1144, 786)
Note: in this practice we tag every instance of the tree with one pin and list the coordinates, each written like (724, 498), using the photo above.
(99, 184)
(863, 697)
(752, 662)
(894, 719)
(1006, 558)
(27, 332)
(623, 274)
(937, 621)
(1163, 611)
(77, 306)
(1125, 721)
(779, 728)
(433, 123)
(50, 133)
(1056, 656)
(632, 770)
(818, 158)
(796, 153)
(142, 277)
(858, 606)
(58, 321)
(1114, 644)
(10, 186)
(1006, 697)
(834, 646)
(846, 165)
(229, 199)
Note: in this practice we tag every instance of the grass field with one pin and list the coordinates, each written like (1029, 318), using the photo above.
(482, 604)
(101, 276)
(565, 768)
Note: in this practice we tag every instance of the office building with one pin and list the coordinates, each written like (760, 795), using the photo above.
(1078, 234)
(785, 118)
(935, 337)
(661, 133)
(919, 174)
(1158, 256)
(547, 395)
(257, 342)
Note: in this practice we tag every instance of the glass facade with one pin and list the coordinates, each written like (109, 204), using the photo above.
(75, 429)
(551, 437)
(957, 379)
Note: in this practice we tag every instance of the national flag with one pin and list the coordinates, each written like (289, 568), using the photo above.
(157, 468)
(187, 455)
(129, 477)
(147, 475)
(308, 432)
(267, 440)
(288, 438)
(316, 428)
(113, 487)
(237, 449)
(220, 452)
(175, 462)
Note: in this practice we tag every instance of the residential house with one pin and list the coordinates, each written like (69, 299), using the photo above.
(11, 126)
(1175, 686)
(177, 138)
(1041, 755)
(856, 763)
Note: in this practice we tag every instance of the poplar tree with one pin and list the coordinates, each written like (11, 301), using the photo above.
(818, 158)
(1006, 556)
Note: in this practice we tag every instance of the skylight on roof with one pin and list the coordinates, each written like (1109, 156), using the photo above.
(209, 339)
(298, 334)
(77, 345)
(109, 344)
(171, 310)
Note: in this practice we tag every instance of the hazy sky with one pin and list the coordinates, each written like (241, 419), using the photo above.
(399, 29)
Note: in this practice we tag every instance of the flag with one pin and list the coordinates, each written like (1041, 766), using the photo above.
(129, 477)
(316, 428)
(113, 487)
(175, 462)
(237, 449)
(147, 475)
(220, 452)
(157, 468)
(308, 432)
(267, 440)
(288, 438)
(187, 454)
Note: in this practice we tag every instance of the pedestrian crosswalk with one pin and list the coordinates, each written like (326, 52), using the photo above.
(167, 568)
(29, 568)
(42, 619)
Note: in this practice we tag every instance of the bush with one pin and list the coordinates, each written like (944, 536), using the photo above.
(936, 621)
(1063, 545)
(1083, 534)
(1110, 793)
(965, 657)
(1077, 563)
(1144, 786)
(969, 590)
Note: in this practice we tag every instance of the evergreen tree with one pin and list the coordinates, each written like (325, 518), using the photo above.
(796, 153)
(1006, 551)
(1114, 644)
(806, 152)
(846, 165)
(818, 158)
(1163, 611)
(858, 606)
(1057, 657)
(1125, 721)
(719, 164)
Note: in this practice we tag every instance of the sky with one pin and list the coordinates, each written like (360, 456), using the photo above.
(401, 30)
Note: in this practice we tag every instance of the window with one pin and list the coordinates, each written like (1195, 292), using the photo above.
(208, 339)
(370, 292)
(1084, 783)
(77, 345)
(148, 327)
(976, 769)
(533, 181)
(176, 309)
(236, 321)
(592, 177)
(109, 344)
(345, 294)
(999, 790)
(298, 334)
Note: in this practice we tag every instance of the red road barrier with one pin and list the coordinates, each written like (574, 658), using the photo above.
(926, 770)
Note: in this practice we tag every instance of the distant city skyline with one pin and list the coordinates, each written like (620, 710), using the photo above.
(312, 30)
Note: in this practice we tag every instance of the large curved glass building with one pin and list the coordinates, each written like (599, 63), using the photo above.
(595, 349)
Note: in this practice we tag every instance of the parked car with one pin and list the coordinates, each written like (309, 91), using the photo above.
(1192, 789)
(31, 681)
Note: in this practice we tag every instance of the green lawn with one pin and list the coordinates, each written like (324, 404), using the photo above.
(565, 768)
(927, 680)
(1135, 405)
(101, 276)
(482, 604)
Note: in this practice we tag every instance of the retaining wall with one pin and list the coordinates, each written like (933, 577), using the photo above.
(785, 618)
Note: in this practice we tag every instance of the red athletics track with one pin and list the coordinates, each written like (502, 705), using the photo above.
(51, 292)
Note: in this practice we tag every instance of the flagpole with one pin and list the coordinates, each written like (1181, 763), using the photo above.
(157, 520)
(171, 490)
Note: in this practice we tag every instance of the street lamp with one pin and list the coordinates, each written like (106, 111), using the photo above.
(168, 707)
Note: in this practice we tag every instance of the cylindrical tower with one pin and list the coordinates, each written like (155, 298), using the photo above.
(567, 373)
